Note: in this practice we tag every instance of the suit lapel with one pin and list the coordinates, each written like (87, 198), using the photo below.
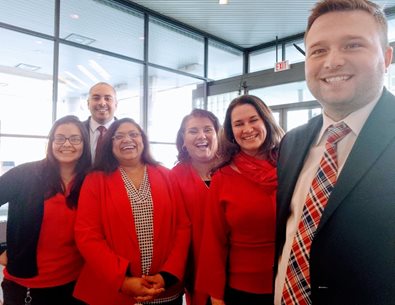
(375, 136)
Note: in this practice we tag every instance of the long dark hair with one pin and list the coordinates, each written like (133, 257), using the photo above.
(53, 181)
(106, 160)
(183, 155)
(269, 148)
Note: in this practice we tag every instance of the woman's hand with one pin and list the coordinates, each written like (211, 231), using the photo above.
(215, 301)
(140, 289)
(156, 282)
(3, 258)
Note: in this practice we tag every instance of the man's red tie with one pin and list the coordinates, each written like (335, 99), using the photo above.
(297, 289)
(102, 131)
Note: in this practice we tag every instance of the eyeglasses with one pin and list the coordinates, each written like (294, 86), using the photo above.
(122, 136)
(61, 139)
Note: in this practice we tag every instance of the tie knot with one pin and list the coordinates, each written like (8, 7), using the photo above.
(337, 132)
(101, 129)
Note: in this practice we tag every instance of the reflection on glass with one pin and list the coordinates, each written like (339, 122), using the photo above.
(35, 15)
(75, 82)
(169, 100)
(103, 25)
(175, 48)
(25, 84)
(223, 61)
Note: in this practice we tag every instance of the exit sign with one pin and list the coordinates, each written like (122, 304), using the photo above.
(281, 66)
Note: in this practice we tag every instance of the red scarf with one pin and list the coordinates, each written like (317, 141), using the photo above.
(259, 171)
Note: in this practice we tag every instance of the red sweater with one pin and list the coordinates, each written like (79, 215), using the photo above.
(58, 259)
(194, 194)
(239, 232)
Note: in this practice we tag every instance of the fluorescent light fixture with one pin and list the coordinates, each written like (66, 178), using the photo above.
(77, 79)
(99, 69)
(223, 1)
(80, 39)
(87, 73)
(27, 67)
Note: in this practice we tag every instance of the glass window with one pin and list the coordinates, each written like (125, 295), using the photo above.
(292, 54)
(103, 25)
(284, 94)
(165, 153)
(80, 69)
(391, 29)
(223, 61)
(175, 48)
(25, 84)
(263, 59)
(169, 100)
(390, 78)
(218, 104)
(35, 15)
(297, 117)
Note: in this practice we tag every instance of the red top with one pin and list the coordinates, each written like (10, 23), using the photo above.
(106, 236)
(58, 259)
(194, 193)
(239, 231)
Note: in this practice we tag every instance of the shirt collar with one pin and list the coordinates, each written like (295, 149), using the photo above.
(93, 124)
(354, 120)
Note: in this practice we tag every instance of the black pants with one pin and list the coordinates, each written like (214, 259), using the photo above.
(15, 294)
(238, 297)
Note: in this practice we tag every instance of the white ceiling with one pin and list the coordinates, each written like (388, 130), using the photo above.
(246, 23)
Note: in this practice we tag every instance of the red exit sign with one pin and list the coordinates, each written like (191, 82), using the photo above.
(281, 66)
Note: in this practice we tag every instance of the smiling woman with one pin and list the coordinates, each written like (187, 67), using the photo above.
(131, 227)
(42, 198)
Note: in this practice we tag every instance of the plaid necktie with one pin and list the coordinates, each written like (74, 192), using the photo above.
(297, 283)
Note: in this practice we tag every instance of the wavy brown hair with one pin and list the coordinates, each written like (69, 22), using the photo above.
(269, 148)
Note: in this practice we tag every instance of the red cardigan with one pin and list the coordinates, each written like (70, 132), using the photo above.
(107, 239)
(194, 194)
(238, 240)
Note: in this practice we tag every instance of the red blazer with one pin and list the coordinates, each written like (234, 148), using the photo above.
(194, 194)
(238, 238)
(108, 242)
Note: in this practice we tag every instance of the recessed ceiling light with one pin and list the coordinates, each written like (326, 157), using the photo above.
(74, 16)
(223, 1)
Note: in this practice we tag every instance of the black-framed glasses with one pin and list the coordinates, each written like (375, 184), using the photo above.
(122, 136)
(61, 139)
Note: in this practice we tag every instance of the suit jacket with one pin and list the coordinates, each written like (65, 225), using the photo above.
(106, 236)
(352, 257)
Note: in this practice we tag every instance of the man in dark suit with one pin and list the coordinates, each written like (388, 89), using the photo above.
(350, 258)
(102, 103)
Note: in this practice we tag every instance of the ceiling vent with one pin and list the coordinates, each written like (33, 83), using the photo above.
(80, 39)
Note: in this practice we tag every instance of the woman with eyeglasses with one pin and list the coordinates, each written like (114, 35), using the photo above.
(131, 227)
(42, 261)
